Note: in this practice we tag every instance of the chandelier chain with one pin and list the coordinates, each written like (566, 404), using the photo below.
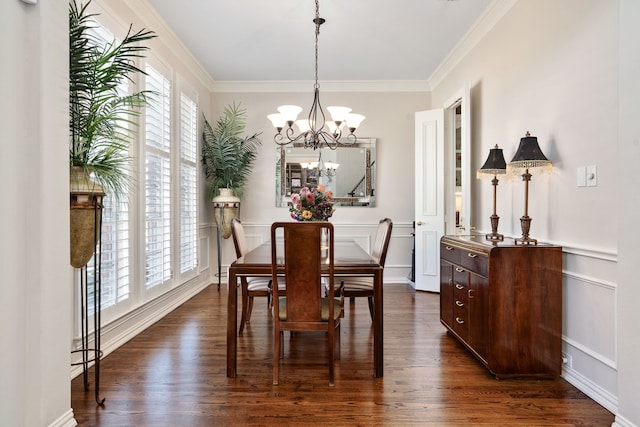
(318, 22)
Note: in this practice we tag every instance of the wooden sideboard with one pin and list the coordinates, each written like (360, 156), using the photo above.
(504, 303)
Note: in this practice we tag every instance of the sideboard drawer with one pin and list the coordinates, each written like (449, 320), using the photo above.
(474, 261)
(450, 253)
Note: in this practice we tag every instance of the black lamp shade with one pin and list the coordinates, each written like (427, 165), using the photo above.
(529, 154)
(495, 163)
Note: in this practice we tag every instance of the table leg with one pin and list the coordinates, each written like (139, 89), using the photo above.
(378, 333)
(232, 324)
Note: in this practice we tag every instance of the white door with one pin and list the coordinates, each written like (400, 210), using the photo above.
(429, 198)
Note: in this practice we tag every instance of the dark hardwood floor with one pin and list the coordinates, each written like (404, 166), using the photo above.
(174, 374)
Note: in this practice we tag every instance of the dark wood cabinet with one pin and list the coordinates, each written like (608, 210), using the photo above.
(504, 303)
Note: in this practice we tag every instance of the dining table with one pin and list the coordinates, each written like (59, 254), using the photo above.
(350, 260)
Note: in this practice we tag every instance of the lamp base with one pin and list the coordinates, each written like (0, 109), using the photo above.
(526, 241)
(525, 224)
(494, 236)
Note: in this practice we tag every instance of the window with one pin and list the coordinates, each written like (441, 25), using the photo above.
(150, 243)
(188, 184)
(114, 240)
(115, 252)
(157, 180)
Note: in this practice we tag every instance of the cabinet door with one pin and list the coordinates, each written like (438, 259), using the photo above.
(446, 293)
(478, 292)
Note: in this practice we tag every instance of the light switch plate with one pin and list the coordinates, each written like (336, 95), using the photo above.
(582, 176)
(592, 176)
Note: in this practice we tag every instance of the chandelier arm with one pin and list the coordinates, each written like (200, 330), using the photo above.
(351, 138)
(289, 132)
(328, 139)
(280, 139)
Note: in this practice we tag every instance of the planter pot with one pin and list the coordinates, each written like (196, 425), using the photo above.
(226, 206)
(85, 216)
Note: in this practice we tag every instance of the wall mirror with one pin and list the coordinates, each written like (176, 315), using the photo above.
(348, 171)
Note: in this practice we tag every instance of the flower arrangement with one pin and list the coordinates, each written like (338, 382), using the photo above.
(312, 205)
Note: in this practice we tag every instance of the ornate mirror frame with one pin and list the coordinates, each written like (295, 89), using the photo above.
(359, 162)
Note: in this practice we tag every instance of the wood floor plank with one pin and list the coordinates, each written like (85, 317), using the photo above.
(174, 374)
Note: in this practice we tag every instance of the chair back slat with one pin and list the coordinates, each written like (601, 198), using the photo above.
(239, 239)
(381, 241)
(302, 269)
(303, 265)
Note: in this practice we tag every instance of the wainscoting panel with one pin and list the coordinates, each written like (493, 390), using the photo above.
(203, 256)
(589, 323)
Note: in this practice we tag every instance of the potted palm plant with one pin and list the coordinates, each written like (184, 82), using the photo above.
(227, 158)
(101, 122)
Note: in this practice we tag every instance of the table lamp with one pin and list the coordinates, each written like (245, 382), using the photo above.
(495, 165)
(528, 156)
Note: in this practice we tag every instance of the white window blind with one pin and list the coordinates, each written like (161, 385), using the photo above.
(188, 199)
(157, 180)
(115, 252)
(114, 243)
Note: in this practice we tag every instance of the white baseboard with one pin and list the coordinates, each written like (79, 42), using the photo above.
(622, 422)
(591, 389)
(65, 420)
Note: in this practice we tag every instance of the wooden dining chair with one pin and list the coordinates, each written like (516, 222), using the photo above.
(302, 305)
(353, 287)
(251, 286)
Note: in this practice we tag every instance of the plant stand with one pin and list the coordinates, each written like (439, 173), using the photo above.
(92, 290)
(225, 207)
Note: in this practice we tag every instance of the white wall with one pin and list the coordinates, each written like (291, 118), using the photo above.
(627, 205)
(35, 275)
(552, 68)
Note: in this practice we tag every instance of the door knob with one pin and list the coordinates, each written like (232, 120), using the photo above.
(419, 223)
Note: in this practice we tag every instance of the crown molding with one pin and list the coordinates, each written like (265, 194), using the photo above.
(325, 86)
(494, 12)
(152, 20)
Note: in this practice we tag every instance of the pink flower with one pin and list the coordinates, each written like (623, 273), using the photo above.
(310, 197)
(295, 199)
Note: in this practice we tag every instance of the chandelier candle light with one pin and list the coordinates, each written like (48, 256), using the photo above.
(316, 131)
(528, 156)
(495, 165)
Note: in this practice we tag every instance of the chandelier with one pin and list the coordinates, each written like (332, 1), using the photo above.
(316, 131)
(328, 169)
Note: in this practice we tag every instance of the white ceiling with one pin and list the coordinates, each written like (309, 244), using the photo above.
(362, 40)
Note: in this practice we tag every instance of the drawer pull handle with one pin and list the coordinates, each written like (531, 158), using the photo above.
(459, 320)
(470, 293)
(459, 304)
(472, 255)
(449, 248)
(459, 286)
(459, 270)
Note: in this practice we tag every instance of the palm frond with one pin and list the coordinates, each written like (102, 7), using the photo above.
(101, 119)
(227, 156)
